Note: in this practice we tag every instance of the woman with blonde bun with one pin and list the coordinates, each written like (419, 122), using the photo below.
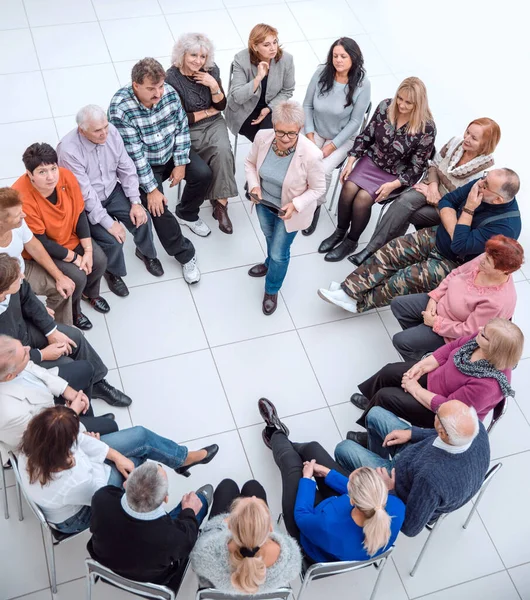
(238, 551)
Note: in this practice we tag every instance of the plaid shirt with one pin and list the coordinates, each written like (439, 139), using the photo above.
(151, 135)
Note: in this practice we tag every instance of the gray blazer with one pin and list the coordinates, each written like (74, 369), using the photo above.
(242, 99)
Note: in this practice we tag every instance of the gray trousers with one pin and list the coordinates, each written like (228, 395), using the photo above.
(416, 339)
(119, 207)
(401, 212)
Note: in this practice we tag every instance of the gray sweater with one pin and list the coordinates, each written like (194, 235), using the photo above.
(210, 559)
(431, 481)
(327, 115)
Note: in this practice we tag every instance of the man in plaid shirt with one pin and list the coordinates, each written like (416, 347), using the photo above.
(154, 127)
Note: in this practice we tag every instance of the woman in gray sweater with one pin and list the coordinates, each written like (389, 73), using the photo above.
(238, 552)
(335, 103)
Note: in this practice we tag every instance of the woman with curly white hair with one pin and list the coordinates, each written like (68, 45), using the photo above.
(196, 78)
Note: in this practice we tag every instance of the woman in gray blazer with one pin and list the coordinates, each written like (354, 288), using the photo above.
(263, 76)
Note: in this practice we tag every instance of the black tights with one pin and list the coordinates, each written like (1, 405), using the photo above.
(228, 490)
(355, 209)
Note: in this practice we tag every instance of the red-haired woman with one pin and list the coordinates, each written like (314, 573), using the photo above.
(460, 161)
(466, 300)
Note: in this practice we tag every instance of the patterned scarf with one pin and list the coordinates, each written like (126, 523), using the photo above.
(480, 368)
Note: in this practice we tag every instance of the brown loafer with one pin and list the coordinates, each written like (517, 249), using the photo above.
(270, 303)
(258, 270)
(220, 214)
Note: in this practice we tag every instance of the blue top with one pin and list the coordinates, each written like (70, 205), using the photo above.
(272, 173)
(327, 531)
(470, 241)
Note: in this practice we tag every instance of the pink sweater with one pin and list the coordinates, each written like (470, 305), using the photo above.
(463, 307)
(448, 383)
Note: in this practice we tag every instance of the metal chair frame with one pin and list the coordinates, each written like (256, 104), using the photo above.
(230, 75)
(435, 524)
(284, 593)
(498, 412)
(96, 571)
(52, 537)
(3, 470)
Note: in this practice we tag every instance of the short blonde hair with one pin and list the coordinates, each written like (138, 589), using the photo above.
(250, 524)
(421, 113)
(288, 111)
(368, 492)
(505, 343)
(190, 42)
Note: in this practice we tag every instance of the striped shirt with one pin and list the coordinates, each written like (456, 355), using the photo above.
(152, 136)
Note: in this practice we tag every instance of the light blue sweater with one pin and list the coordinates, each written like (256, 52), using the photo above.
(326, 114)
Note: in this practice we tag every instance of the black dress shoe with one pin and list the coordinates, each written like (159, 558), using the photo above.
(270, 303)
(340, 252)
(116, 285)
(81, 321)
(99, 304)
(360, 401)
(333, 240)
(314, 223)
(258, 270)
(359, 437)
(269, 414)
(211, 451)
(103, 390)
(153, 265)
(360, 257)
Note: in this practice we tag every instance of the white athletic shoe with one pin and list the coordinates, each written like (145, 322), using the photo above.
(191, 272)
(198, 227)
(339, 298)
(334, 286)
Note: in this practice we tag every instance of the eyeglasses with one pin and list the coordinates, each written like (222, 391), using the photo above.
(481, 332)
(292, 135)
(486, 184)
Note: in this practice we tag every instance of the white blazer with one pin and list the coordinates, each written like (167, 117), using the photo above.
(305, 180)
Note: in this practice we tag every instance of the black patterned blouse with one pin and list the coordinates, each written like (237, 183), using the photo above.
(394, 150)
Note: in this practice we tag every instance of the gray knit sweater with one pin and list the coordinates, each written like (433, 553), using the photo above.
(210, 559)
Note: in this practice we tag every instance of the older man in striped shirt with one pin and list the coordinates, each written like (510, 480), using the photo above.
(154, 127)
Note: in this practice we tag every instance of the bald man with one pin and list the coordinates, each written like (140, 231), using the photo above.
(433, 471)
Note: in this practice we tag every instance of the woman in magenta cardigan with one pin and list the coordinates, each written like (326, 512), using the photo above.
(466, 299)
(474, 369)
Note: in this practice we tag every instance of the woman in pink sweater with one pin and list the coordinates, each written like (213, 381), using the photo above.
(466, 299)
(474, 369)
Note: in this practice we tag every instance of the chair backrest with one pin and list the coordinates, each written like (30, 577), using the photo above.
(498, 412)
(138, 588)
(230, 75)
(320, 570)
(213, 594)
(34, 508)
(366, 117)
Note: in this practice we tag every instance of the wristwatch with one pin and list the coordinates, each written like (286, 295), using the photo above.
(468, 211)
(217, 92)
(136, 201)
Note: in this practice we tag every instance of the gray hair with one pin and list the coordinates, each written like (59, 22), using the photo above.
(91, 113)
(288, 111)
(511, 186)
(7, 355)
(146, 488)
(190, 42)
(461, 425)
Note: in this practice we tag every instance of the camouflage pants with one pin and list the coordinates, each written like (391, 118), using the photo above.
(409, 264)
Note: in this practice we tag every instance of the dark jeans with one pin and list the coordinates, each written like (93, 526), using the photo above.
(198, 177)
(248, 130)
(228, 490)
(384, 389)
(83, 350)
(416, 339)
(79, 375)
(87, 285)
(290, 459)
(118, 206)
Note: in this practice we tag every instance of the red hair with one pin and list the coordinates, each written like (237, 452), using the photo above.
(507, 254)
(257, 36)
(492, 134)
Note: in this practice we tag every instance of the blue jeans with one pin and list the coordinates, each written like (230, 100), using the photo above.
(138, 444)
(278, 248)
(379, 423)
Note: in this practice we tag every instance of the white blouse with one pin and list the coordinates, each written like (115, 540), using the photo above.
(70, 490)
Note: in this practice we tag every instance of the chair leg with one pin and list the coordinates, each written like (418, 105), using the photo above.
(380, 568)
(50, 557)
(334, 193)
(179, 190)
(305, 583)
(235, 146)
(4, 491)
(475, 505)
(427, 542)
(89, 582)
(19, 501)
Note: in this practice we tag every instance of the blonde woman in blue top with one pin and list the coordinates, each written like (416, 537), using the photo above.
(336, 100)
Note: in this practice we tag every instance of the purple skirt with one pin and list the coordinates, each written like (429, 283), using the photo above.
(368, 176)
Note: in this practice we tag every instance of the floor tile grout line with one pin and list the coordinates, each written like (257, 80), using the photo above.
(399, 576)
(106, 46)
(235, 27)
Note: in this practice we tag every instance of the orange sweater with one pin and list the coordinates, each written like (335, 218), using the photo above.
(58, 221)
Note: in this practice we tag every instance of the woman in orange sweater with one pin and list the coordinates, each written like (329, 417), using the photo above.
(55, 213)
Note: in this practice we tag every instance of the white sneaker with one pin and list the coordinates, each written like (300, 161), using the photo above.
(334, 286)
(339, 298)
(191, 272)
(198, 227)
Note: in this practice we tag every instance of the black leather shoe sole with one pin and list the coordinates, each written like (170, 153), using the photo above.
(359, 401)
(359, 437)
(269, 414)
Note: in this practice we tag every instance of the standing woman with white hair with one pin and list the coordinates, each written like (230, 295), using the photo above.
(285, 176)
(197, 80)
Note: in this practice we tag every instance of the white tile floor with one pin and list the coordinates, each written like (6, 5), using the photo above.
(196, 360)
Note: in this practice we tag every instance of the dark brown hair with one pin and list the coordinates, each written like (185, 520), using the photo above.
(257, 35)
(39, 154)
(47, 442)
(9, 271)
(9, 198)
(148, 68)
